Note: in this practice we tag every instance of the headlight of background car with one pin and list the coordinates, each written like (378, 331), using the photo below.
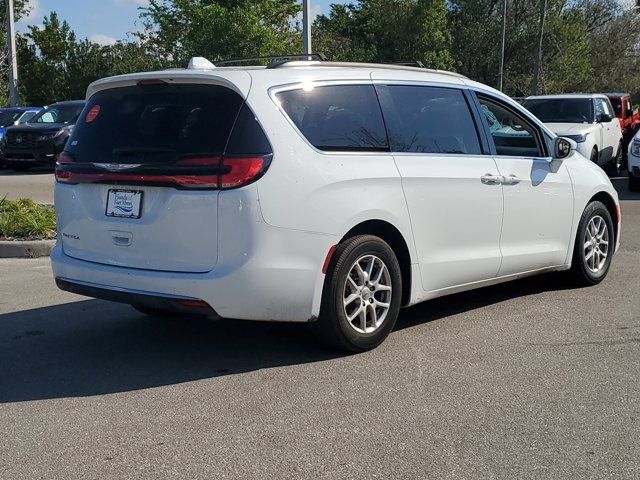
(635, 148)
(59, 133)
(577, 138)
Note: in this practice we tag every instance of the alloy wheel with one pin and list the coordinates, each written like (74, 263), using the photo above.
(596, 244)
(367, 294)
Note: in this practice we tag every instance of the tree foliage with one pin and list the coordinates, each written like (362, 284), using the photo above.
(221, 29)
(387, 31)
(55, 65)
(588, 45)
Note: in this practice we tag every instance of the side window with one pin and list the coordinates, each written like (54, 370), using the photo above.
(49, 117)
(602, 108)
(425, 119)
(337, 117)
(512, 134)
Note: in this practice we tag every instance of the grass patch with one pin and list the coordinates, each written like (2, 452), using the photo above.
(24, 219)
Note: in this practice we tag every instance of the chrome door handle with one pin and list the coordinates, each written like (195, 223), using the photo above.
(510, 180)
(489, 179)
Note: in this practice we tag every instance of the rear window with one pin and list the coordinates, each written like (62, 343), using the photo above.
(337, 117)
(157, 123)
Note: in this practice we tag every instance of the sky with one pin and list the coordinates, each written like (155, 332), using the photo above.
(105, 21)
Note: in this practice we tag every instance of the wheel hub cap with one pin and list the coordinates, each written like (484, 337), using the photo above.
(596, 244)
(367, 294)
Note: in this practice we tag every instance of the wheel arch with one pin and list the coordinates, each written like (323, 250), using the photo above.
(390, 234)
(607, 200)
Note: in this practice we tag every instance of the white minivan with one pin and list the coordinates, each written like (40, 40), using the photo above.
(318, 192)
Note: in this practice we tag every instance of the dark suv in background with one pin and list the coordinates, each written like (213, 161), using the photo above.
(39, 142)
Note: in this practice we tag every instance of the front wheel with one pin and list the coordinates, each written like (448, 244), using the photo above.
(595, 243)
(362, 295)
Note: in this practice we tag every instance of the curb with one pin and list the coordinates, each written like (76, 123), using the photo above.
(26, 249)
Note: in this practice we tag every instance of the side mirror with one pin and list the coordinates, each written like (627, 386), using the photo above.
(563, 148)
(604, 118)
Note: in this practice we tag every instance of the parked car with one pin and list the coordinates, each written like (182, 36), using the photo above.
(629, 118)
(633, 163)
(330, 193)
(40, 141)
(588, 120)
(13, 116)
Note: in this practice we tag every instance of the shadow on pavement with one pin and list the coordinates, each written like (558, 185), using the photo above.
(94, 347)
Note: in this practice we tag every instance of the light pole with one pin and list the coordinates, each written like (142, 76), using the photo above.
(502, 37)
(306, 27)
(13, 64)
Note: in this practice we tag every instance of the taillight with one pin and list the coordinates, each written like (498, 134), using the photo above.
(239, 171)
(193, 173)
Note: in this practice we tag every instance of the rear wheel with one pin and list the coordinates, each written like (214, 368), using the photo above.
(594, 246)
(617, 166)
(362, 295)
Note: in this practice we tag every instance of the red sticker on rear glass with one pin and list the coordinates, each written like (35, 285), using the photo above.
(93, 114)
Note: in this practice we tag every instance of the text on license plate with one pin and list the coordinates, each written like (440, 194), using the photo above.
(124, 203)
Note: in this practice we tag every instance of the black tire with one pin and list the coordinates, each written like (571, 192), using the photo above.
(333, 326)
(634, 183)
(615, 168)
(154, 312)
(594, 155)
(580, 268)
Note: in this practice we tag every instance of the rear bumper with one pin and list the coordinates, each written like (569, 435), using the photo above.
(143, 299)
(281, 280)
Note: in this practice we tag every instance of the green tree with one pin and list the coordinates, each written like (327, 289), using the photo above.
(219, 29)
(387, 31)
(55, 65)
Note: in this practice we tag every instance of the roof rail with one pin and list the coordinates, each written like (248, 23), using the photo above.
(412, 63)
(388, 66)
(271, 59)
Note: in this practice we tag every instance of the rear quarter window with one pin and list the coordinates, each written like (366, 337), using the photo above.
(337, 117)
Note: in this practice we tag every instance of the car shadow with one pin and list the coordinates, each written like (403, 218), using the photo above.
(95, 347)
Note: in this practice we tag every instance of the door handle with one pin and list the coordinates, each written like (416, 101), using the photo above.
(489, 179)
(511, 180)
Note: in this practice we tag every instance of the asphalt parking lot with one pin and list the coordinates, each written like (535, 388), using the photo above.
(531, 379)
(36, 184)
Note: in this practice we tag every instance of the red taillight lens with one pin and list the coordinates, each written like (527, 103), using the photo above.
(238, 171)
(63, 176)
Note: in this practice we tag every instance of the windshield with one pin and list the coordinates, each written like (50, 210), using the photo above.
(616, 103)
(7, 117)
(59, 114)
(561, 110)
(27, 116)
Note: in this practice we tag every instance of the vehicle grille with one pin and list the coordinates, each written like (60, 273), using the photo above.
(21, 140)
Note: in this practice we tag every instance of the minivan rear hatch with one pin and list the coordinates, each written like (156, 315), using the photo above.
(139, 179)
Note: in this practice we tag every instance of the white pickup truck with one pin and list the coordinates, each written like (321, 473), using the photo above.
(588, 120)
